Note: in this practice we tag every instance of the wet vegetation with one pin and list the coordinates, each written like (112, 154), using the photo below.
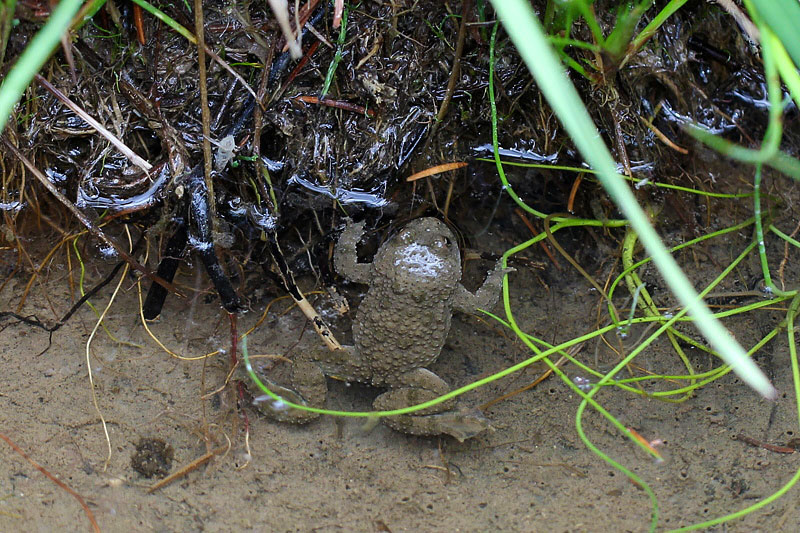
(286, 170)
(250, 176)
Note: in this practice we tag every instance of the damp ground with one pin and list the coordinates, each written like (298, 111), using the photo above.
(532, 473)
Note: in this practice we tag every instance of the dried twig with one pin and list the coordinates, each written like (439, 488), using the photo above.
(78, 110)
(55, 480)
(466, 5)
(666, 140)
(338, 104)
(759, 444)
(281, 11)
(438, 169)
(204, 110)
(89, 359)
(741, 19)
(194, 465)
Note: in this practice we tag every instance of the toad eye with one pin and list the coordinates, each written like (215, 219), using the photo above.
(442, 242)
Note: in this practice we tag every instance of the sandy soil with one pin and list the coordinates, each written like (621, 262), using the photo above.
(531, 474)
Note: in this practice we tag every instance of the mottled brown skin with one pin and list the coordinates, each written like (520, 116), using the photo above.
(400, 328)
(404, 319)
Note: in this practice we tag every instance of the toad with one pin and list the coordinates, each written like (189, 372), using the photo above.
(400, 329)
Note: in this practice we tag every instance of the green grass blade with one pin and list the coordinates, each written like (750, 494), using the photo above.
(786, 68)
(627, 19)
(7, 8)
(779, 160)
(656, 23)
(774, 55)
(166, 19)
(336, 57)
(34, 56)
(782, 17)
(525, 31)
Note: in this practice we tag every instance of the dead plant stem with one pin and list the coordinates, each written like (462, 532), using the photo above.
(88, 354)
(205, 111)
(55, 480)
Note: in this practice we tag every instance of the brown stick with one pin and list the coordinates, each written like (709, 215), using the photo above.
(55, 480)
(338, 104)
(757, 443)
(466, 5)
(533, 231)
(186, 469)
(438, 169)
(204, 110)
(138, 21)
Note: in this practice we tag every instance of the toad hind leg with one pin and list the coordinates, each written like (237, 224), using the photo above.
(309, 384)
(421, 385)
(309, 388)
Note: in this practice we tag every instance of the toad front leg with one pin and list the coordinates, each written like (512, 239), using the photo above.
(486, 296)
(421, 385)
(345, 257)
